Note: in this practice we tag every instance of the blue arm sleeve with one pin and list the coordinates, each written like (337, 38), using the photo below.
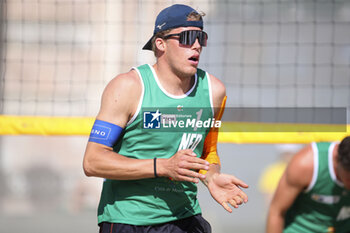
(105, 133)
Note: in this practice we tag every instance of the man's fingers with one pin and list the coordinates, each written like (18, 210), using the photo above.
(240, 183)
(197, 160)
(233, 203)
(193, 157)
(194, 163)
(226, 207)
(238, 200)
(243, 196)
(186, 163)
(195, 166)
(188, 152)
(193, 174)
(187, 178)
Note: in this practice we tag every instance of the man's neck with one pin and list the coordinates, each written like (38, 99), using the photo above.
(173, 83)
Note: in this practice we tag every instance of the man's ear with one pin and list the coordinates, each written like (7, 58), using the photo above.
(160, 44)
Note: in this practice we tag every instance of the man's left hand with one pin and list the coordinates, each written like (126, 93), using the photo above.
(225, 189)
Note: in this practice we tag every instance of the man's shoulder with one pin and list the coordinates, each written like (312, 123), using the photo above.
(304, 158)
(126, 87)
(120, 98)
(300, 168)
(126, 81)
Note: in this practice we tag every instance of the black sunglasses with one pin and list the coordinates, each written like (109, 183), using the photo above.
(189, 37)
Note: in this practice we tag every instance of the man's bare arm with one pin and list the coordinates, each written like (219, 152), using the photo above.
(224, 188)
(295, 179)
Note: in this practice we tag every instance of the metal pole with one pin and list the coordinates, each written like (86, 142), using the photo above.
(3, 7)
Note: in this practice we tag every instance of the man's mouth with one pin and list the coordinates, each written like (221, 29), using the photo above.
(194, 58)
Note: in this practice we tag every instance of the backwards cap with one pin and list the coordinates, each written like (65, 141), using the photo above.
(173, 17)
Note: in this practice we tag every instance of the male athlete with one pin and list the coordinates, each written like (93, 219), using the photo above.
(314, 192)
(151, 140)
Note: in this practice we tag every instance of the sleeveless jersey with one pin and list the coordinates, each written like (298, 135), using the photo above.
(162, 125)
(325, 205)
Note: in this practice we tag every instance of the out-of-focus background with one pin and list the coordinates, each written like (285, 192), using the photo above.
(57, 56)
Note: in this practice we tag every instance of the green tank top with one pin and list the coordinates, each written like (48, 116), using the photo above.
(162, 125)
(325, 205)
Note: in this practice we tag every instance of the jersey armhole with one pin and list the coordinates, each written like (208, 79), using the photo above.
(315, 171)
(331, 165)
(210, 93)
(141, 98)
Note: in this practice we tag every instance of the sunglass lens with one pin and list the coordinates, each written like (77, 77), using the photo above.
(189, 37)
(202, 38)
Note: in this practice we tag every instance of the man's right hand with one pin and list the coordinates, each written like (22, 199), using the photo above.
(182, 166)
